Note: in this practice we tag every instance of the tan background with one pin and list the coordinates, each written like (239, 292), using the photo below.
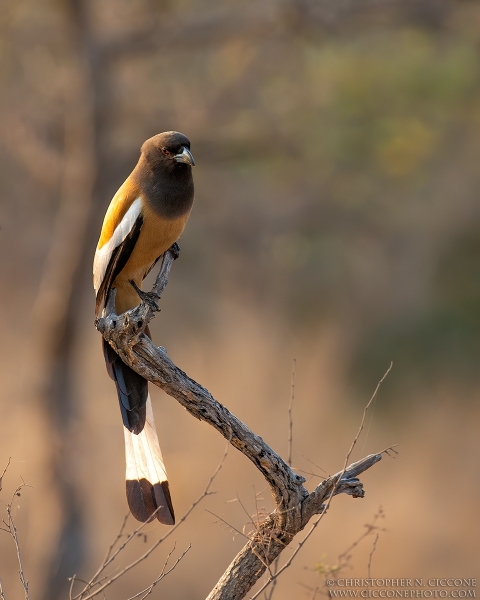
(336, 222)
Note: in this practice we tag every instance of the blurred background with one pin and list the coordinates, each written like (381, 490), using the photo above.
(336, 222)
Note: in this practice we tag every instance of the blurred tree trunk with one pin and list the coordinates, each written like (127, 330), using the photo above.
(55, 318)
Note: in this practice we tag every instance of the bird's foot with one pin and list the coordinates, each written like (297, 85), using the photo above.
(175, 250)
(148, 298)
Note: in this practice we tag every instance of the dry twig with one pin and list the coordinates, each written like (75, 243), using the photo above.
(111, 555)
(147, 591)
(290, 418)
(338, 478)
(344, 558)
(4, 471)
(371, 555)
(11, 529)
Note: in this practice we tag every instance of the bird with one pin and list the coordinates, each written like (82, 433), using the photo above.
(144, 219)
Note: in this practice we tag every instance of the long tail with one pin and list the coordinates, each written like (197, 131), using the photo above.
(147, 484)
(146, 477)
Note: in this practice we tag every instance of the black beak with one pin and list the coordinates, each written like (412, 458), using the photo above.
(185, 156)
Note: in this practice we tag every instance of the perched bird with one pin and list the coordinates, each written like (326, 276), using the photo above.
(145, 217)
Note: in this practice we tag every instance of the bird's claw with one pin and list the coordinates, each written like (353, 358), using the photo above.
(148, 298)
(175, 250)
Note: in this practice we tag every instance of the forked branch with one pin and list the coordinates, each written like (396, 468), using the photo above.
(295, 506)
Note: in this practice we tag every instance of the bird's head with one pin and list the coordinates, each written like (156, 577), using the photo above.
(168, 149)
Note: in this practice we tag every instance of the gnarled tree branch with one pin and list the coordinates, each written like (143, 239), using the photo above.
(295, 506)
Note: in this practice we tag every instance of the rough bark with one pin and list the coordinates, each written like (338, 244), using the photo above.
(295, 506)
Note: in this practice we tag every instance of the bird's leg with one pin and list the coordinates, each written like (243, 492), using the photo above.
(110, 303)
(148, 298)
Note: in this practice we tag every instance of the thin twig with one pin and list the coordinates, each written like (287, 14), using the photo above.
(72, 581)
(12, 530)
(315, 464)
(256, 527)
(374, 395)
(109, 559)
(262, 510)
(146, 554)
(252, 522)
(337, 483)
(390, 451)
(371, 554)
(345, 557)
(228, 525)
(4, 471)
(147, 591)
(269, 595)
(311, 474)
(290, 560)
(119, 536)
(290, 419)
(2, 595)
(342, 558)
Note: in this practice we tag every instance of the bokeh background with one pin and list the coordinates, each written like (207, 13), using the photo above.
(337, 223)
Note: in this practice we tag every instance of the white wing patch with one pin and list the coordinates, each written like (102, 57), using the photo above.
(104, 254)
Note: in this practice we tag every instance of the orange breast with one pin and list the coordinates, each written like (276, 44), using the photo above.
(156, 236)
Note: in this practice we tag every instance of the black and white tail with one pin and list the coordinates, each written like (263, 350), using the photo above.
(146, 479)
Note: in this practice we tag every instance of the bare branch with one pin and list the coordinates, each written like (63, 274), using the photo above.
(345, 482)
(295, 507)
(125, 334)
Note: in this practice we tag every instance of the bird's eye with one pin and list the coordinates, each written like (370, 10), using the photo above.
(165, 151)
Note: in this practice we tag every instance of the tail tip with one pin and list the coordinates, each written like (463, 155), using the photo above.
(147, 501)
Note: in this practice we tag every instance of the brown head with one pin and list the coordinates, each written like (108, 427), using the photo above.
(167, 150)
(164, 173)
